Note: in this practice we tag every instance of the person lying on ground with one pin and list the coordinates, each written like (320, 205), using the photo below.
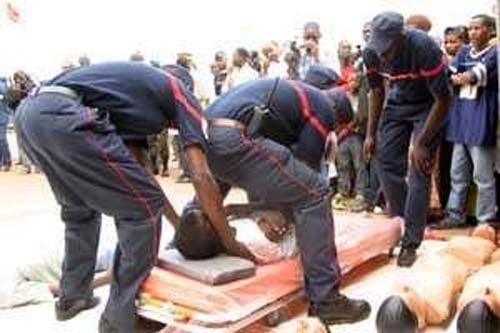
(33, 275)
(267, 234)
(424, 295)
(479, 304)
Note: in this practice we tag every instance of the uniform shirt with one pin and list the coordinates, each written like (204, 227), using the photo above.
(414, 76)
(474, 114)
(140, 100)
(288, 122)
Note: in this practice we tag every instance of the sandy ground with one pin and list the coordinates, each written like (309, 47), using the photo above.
(28, 209)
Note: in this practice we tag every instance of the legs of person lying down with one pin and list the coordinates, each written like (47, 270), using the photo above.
(92, 171)
(429, 288)
(34, 276)
(269, 171)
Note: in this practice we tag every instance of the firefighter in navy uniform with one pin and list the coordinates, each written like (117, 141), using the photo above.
(268, 137)
(85, 130)
(412, 103)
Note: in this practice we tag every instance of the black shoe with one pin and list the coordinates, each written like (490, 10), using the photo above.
(407, 257)
(105, 326)
(451, 222)
(66, 310)
(340, 310)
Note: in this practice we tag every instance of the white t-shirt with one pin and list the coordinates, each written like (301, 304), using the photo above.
(249, 233)
(238, 76)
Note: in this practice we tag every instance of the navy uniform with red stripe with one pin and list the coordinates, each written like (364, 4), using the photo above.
(76, 129)
(275, 156)
(409, 75)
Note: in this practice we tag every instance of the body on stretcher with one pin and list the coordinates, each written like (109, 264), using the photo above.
(174, 299)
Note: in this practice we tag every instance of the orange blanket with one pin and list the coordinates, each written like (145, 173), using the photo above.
(358, 240)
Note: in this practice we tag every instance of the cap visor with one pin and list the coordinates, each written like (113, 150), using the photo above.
(380, 44)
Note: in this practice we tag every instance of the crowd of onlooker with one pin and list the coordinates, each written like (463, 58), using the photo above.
(465, 176)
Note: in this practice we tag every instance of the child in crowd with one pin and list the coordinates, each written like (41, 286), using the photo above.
(454, 39)
(350, 160)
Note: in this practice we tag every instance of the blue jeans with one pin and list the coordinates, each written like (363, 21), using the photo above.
(473, 163)
(270, 172)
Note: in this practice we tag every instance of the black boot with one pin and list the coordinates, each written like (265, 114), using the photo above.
(66, 310)
(339, 309)
(407, 257)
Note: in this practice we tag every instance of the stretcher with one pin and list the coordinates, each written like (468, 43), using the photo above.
(187, 305)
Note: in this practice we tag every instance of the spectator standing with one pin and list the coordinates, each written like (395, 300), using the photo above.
(273, 66)
(83, 60)
(241, 71)
(5, 159)
(350, 158)
(454, 39)
(137, 56)
(312, 52)
(219, 71)
(22, 84)
(346, 60)
(473, 124)
(373, 196)
(419, 21)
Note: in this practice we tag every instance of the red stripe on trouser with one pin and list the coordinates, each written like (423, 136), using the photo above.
(115, 167)
(281, 168)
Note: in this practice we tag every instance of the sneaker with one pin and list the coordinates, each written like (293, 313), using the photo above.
(407, 257)
(451, 222)
(340, 309)
(105, 326)
(66, 310)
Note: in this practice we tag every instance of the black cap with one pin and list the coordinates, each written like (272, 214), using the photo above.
(386, 28)
(321, 77)
(394, 316)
